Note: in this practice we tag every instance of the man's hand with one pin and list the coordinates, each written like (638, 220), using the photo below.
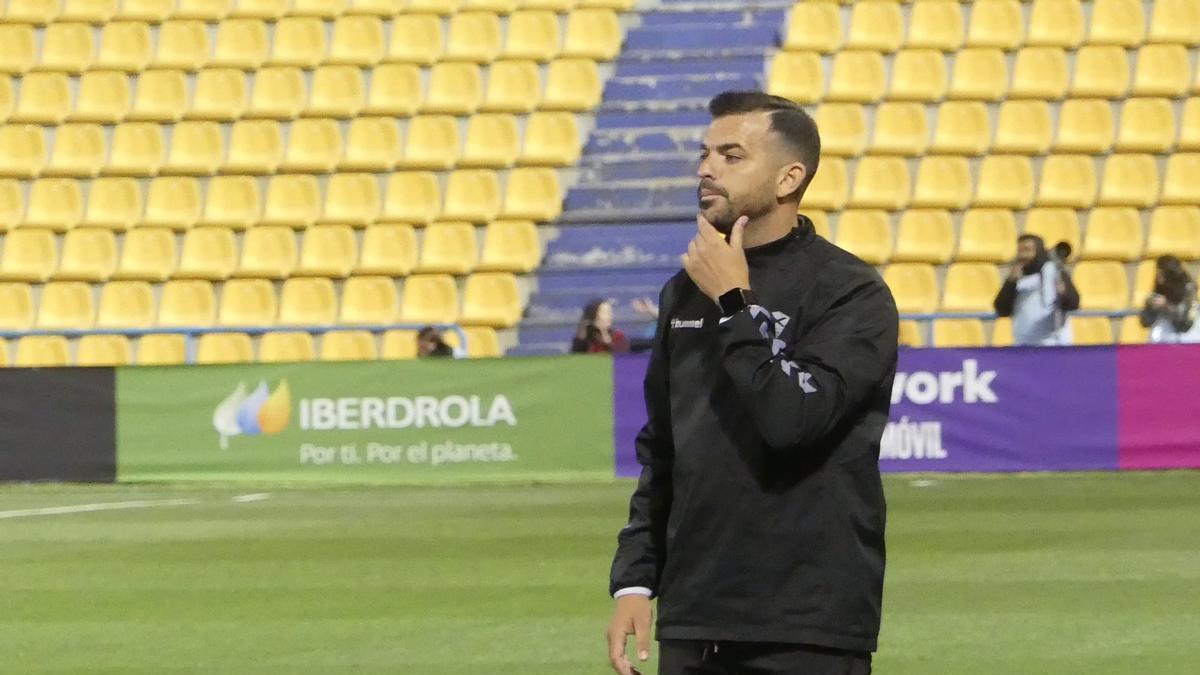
(1016, 273)
(631, 617)
(715, 265)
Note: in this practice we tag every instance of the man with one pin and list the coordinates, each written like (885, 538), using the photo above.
(431, 345)
(758, 519)
(1037, 295)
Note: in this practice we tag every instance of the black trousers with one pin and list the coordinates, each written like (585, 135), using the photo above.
(691, 657)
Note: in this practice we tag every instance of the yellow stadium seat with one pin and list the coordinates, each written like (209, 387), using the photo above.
(22, 151)
(1055, 23)
(510, 246)
(213, 348)
(813, 26)
(1041, 73)
(820, 221)
(429, 298)
(399, 344)
(337, 91)
(255, 147)
(124, 45)
(531, 193)
(42, 351)
(54, 204)
(152, 11)
(416, 38)
(474, 37)
(1147, 125)
(369, 300)
(29, 255)
(328, 251)
(1162, 70)
(918, 74)
(412, 197)
(1132, 330)
(593, 34)
(294, 201)
(208, 253)
(513, 87)
(187, 304)
(1175, 21)
(248, 302)
(1102, 285)
(308, 302)
(830, 187)
(172, 202)
(925, 235)
(958, 333)
(551, 139)
(900, 129)
(325, 9)
(88, 255)
(1067, 180)
(454, 89)
(980, 74)
(1174, 230)
(448, 248)
(103, 97)
(279, 93)
(45, 98)
(66, 47)
(875, 25)
(1182, 183)
(66, 305)
(910, 334)
(299, 41)
(89, 11)
(843, 125)
(78, 151)
(351, 199)
(18, 49)
(12, 204)
(182, 44)
(553, 5)
(482, 341)
(942, 183)
(38, 12)
(867, 234)
(493, 141)
(914, 286)
(1054, 225)
(126, 304)
(261, 9)
(1117, 22)
(197, 149)
(348, 345)
(796, 76)
(395, 90)
(1002, 335)
(220, 94)
(880, 183)
(1144, 279)
(572, 84)
(113, 203)
(1113, 233)
(315, 146)
(987, 235)
(268, 251)
(963, 128)
(148, 254)
(1101, 72)
(858, 76)
(232, 201)
(532, 34)
(357, 41)
(161, 350)
(240, 43)
(1023, 128)
(936, 25)
(997, 24)
(491, 299)
(1085, 126)
(970, 287)
(1129, 180)
(389, 250)
(162, 96)
(372, 144)
(137, 150)
(472, 195)
(16, 306)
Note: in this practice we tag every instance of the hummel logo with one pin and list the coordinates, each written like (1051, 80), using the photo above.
(680, 323)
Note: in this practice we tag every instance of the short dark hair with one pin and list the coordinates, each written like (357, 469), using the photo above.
(788, 120)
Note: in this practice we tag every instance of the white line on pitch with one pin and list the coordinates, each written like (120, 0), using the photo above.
(256, 497)
(87, 508)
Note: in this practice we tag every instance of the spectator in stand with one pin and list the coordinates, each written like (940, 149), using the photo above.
(431, 344)
(1037, 295)
(596, 333)
(1171, 310)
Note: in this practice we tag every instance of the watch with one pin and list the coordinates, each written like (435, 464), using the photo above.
(734, 301)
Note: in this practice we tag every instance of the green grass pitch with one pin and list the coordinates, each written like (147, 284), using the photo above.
(1083, 573)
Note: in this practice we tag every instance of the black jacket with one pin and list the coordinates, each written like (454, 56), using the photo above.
(759, 514)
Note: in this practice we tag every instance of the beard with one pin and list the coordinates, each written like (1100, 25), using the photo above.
(722, 212)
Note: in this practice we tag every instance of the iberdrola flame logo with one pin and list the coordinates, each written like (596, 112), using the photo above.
(259, 412)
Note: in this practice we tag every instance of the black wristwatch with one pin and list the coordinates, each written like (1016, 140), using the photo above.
(734, 301)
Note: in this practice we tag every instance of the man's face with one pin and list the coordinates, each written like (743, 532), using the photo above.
(738, 169)
(1026, 252)
(426, 345)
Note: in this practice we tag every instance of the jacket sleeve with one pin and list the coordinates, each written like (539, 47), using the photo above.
(1148, 315)
(1068, 300)
(1006, 299)
(640, 544)
(799, 393)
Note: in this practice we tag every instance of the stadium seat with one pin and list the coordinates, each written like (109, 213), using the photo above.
(1162, 70)
(532, 194)
(1055, 23)
(390, 250)
(232, 201)
(351, 199)
(125, 46)
(369, 300)
(1002, 334)
(797, 76)
(1040, 73)
(88, 254)
(958, 333)
(103, 97)
(268, 251)
(1102, 285)
(1129, 180)
(925, 235)
(980, 74)
(942, 182)
(324, 9)
(308, 302)
(182, 44)
(1147, 125)
(315, 146)
(1117, 22)
(337, 91)
(65, 305)
(279, 94)
(875, 25)
(348, 345)
(910, 334)
(1085, 126)
(416, 38)
(189, 304)
(45, 98)
(433, 142)
(820, 221)
(857, 77)
(510, 246)
(29, 255)
(66, 47)
(572, 85)
(22, 151)
(830, 187)
(148, 253)
(18, 49)
(162, 96)
(213, 348)
(16, 306)
(78, 151)
(970, 287)
(12, 204)
(881, 183)
(900, 129)
(492, 141)
(54, 204)
(1101, 72)
(208, 253)
(248, 302)
(161, 350)
(512, 87)
(482, 341)
(1067, 180)
(1023, 128)
(997, 24)
(867, 234)
(395, 90)
(1113, 233)
(42, 351)
(328, 251)
(357, 41)
(1054, 225)
(592, 34)
(429, 298)
(399, 344)
(294, 201)
(372, 144)
(1175, 21)
(1144, 278)
(914, 286)
(220, 95)
(299, 41)
(474, 37)
(89, 11)
(963, 128)
(491, 299)
(551, 139)
(1174, 230)
(559, 6)
(1182, 183)
(126, 304)
(454, 89)
(813, 26)
(1091, 330)
(103, 350)
(1132, 330)
(113, 203)
(240, 43)
(448, 248)
(412, 197)
(137, 150)
(918, 75)
(271, 10)
(172, 202)
(843, 126)
(987, 236)
(150, 11)
(255, 147)
(472, 195)
(935, 25)
(197, 149)
(37, 12)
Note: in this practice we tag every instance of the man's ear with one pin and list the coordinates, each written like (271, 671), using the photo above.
(791, 177)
